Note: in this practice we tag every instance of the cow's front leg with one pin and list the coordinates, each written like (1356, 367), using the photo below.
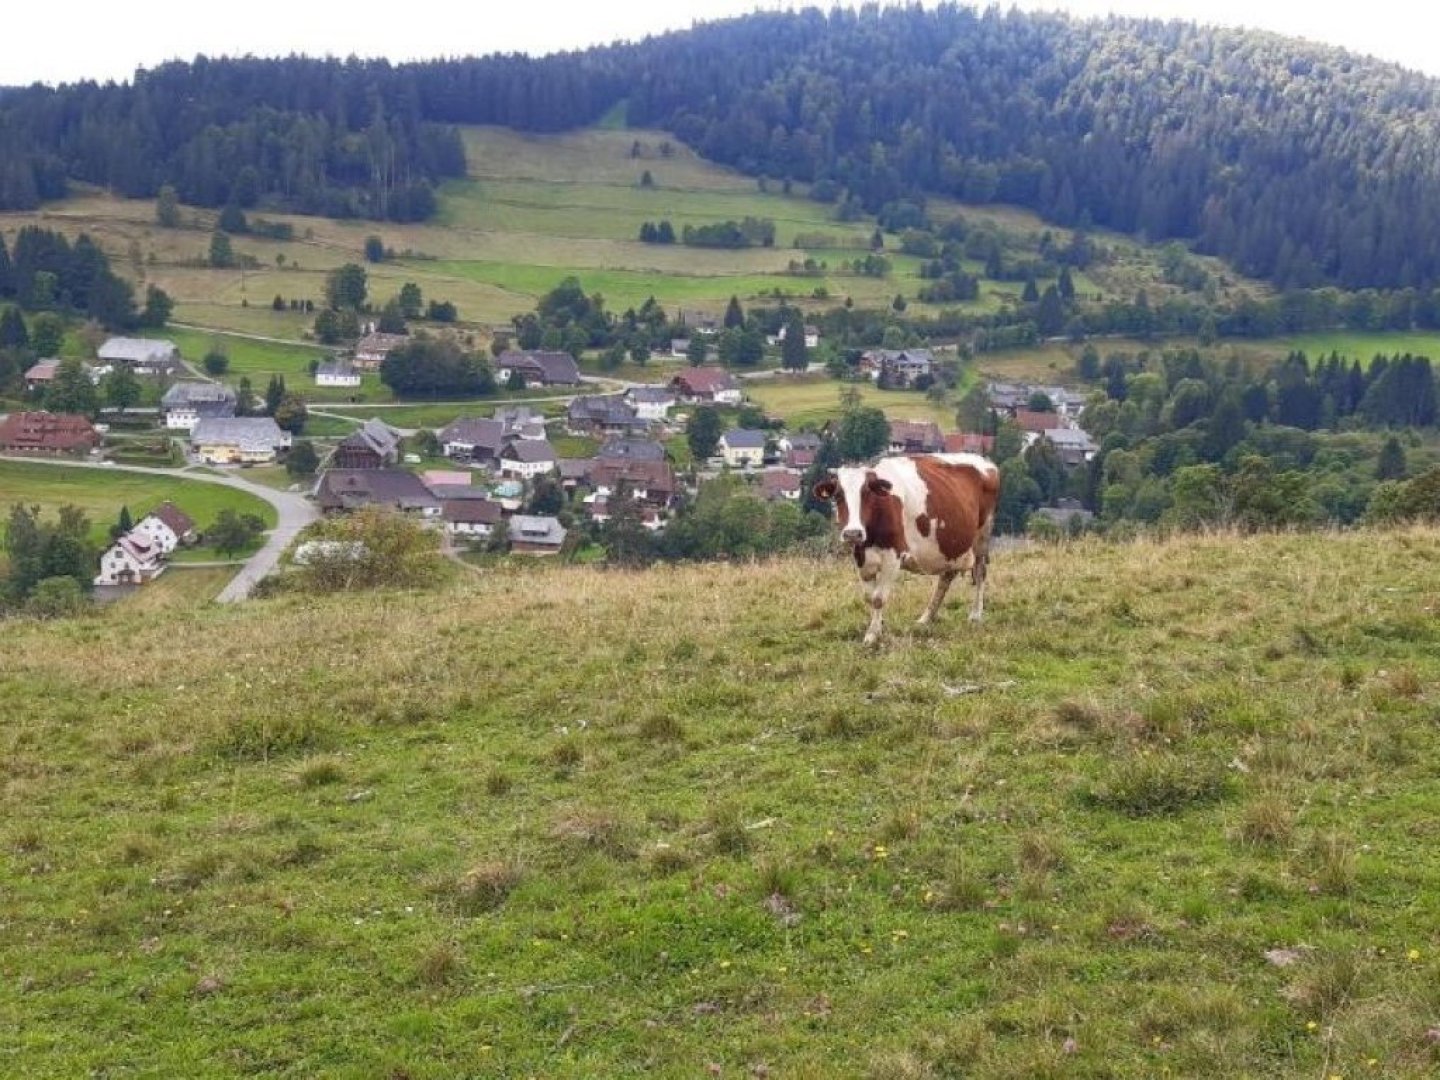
(877, 579)
(942, 586)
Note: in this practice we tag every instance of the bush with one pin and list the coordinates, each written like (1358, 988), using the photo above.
(1153, 786)
(56, 598)
(373, 549)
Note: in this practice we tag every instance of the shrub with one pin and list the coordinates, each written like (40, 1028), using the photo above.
(371, 549)
(1153, 786)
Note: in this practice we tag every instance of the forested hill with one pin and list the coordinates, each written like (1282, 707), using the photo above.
(1301, 163)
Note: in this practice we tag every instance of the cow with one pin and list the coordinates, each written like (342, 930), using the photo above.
(926, 513)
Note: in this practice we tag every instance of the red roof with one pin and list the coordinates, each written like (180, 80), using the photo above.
(961, 442)
(174, 518)
(47, 432)
(704, 380)
(1037, 422)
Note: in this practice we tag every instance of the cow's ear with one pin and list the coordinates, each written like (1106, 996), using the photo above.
(825, 489)
(878, 486)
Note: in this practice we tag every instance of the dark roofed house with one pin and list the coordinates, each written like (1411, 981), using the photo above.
(777, 484)
(176, 520)
(915, 437)
(374, 445)
(652, 482)
(144, 356)
(48, 434)
(573, 471)
(631, 450)
(742, 447)
(188, 402)
(538, 368)
(651, 402)
(707, 384)
(343, 490)
(607, 414)
(372, 349)
(899, 367)
(961, 442)
(473, 438)
(527, 458)
(471, 517)
(536, 535)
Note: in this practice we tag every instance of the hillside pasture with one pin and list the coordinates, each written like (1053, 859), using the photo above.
(810, 401)
(1169, 811)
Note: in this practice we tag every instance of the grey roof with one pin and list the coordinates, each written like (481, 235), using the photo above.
(350, 489)
(488, 435)
(632, 450)
(335, 367)
(803, 440)
(517, 415)
(1073, 438)
(137, 350)
(249, 433)
(573, 468)
(459, 492)
(530, 451)
(607, 409)
(471, 511)
(375, 435)
(653, 395)
(537, 530)
(744, 438)
(551, 367)
(189, 394)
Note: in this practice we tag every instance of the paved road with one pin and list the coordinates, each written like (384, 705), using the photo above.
(292, 511)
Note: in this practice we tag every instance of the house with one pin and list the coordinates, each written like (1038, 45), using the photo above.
(651, 482)
(536, 535)
(521, 422)
(1007, 397)
(1073, 445)
(961, 442)
(680, 348)
(166, 528)
(573, 471)
(798, 450)
(1066, 514)
(458, 492)
(337, 373)
(186, 402)
(898, 367)
(608, 414)
(527, 459)
(238, 440)
(915, 437)
(742, 447)
(433, 478)
(144, 356)
(39, 376)
(1034, 424)
(374, 445)
(777, 484)
(1011, 397)
(812, 336)
(343, 490)
(470, 517)
(651, 403)
(631, 450)
(710, 385)
(372, 349)
(474, 439)
(599, 512)
(538, 368)
(133, 559)
(48, 434)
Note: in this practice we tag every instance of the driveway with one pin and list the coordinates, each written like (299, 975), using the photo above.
(292, 512)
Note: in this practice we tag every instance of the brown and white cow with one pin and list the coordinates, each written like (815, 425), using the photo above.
(926, 513)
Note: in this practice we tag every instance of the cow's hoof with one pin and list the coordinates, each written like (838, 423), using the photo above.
(976, 616)
(870, 640)
(924, 620)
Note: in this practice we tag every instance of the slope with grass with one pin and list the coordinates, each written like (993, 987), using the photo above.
(1171, 810)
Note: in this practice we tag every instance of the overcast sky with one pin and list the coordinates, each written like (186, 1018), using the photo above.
(102, 39)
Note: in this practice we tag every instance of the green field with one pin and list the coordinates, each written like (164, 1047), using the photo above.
(1170, 811)
(102, 492)
(811, 401)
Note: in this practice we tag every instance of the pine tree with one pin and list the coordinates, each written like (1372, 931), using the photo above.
(1392, 464)
(734, 314)
(274, 394)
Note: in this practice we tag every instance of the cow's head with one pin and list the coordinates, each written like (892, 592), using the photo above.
(855, 492)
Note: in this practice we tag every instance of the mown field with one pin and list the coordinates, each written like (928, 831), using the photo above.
(1170, 811)
(102, 492)
(811, 401)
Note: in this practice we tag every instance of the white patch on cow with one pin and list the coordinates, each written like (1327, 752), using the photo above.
(975, 461)
(852, 485)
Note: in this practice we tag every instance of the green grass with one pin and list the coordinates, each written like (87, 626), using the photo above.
(438, 415)
(724, 834)
(102, 492)
(1362, 347)
(257, 359)
(810, 401)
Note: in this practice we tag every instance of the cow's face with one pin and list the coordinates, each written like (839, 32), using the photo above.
(855, 492)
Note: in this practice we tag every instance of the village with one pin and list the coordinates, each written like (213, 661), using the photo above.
(492, 479)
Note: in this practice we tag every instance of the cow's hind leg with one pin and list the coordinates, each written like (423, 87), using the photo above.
(980, 570)
(942, 586)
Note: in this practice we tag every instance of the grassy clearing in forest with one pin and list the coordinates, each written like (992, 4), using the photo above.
(1171, 809)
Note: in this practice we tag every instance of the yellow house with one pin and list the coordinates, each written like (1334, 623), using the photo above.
(238, 440)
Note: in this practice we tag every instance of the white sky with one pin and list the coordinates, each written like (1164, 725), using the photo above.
(103, 39)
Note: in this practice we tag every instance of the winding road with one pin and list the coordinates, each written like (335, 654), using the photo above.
(292, 512)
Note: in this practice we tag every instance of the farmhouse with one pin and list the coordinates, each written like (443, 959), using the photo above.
(799, 449)
(536, 535)
(898, 368)
(707, 384)
(521, 422)
(186, 402)
(48, 434)
(630, 450)
(372, 349)
(471, 517)
(651, 482)
(527, 459)
(651, 403)
(166, 527)
(343, 490)
(144, 356)
(960, 442)
(778, 484)
(603, 415)
(132, 560)
(1073, 445)
(742, 447)
(538, 368)
(915, 437)
(40, 375)
(337, 373)
(238, 440)
(374, 445)
(473, 438)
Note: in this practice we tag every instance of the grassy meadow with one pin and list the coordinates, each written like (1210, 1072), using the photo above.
(810, 401)
(102, 492)
(1170, 811)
